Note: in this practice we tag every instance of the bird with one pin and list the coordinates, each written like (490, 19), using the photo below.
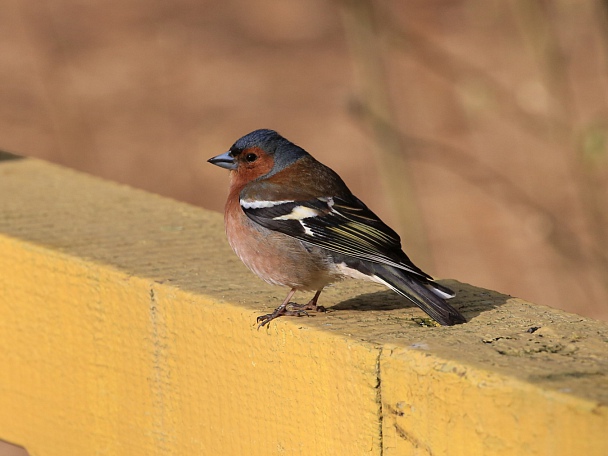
(294, 222)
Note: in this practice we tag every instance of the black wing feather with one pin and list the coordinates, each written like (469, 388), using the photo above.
(344, 226)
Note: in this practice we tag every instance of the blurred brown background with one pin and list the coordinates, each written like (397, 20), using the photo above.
(476, 128)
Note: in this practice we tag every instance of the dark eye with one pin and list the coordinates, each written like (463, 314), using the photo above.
(251, 157)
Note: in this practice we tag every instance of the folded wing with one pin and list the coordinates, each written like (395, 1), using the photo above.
(343, 226)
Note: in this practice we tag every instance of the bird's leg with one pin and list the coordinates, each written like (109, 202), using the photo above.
(281, 310)
(312, 304)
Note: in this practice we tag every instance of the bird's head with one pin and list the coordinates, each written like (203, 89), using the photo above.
(259, 153)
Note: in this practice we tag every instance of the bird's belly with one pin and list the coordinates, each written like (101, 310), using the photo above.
(280, 259)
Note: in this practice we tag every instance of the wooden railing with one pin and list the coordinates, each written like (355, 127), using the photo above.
(127, 328)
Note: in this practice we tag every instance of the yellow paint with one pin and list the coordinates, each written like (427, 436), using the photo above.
(98, 362)
(435, 406)
(127, 327)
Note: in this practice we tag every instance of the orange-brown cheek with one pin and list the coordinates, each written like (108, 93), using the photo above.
(249, 171)
(246, 172)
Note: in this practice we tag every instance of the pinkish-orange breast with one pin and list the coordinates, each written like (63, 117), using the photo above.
(275, 257)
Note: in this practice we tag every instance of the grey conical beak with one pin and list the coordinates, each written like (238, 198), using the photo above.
(225, 160)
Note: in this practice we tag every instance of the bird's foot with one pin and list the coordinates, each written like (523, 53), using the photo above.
(263, 320)
(310, 306)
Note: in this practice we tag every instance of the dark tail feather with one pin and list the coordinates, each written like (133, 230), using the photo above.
(424, 295)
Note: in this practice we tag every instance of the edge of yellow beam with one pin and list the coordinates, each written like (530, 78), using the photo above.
(128, 328)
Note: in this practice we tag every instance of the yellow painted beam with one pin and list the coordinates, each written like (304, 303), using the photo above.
(127, 327)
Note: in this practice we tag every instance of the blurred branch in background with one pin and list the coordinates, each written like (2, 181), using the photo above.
(372, 90)
(454, 69)
(540, 24)
(476, 172)
(593, 150)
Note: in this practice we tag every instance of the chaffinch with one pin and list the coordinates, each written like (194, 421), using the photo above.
(295, 223)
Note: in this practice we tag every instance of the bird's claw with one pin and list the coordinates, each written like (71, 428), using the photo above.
(263, 320)
(309, 306)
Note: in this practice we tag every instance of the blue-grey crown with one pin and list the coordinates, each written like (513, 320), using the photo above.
(285, 152)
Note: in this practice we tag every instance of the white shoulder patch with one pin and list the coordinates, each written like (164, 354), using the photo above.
(299, 213)
(256, 204)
